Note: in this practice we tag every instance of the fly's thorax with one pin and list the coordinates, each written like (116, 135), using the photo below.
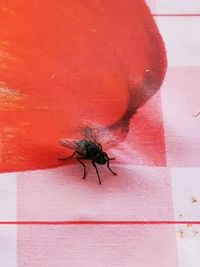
(94, 153)
(92, 149)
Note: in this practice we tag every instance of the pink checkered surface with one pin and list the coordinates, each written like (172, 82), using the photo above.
(158, 166)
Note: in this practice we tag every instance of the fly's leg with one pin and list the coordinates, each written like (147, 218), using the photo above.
(84, 167)
(68, 157)
(108, 166)
(100, 146)
(93, 163)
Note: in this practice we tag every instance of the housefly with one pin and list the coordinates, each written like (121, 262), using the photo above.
(89, 148)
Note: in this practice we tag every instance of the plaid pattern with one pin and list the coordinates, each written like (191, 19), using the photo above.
(157, 180)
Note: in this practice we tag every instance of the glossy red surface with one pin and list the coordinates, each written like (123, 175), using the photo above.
(67, 63)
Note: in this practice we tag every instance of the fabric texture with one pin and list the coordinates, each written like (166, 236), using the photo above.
(136, 216)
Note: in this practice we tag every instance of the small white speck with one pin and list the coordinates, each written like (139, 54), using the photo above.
(52, 76)
(147, 70)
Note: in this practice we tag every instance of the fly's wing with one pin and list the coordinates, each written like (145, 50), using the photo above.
(78, 146)
(89, 135)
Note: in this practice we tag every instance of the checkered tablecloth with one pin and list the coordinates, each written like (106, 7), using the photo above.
(134, 217)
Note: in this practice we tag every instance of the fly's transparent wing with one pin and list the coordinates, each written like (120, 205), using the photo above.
(89, 135)
(75, 145)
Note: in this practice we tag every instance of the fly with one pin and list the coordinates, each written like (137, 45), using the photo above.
(88, 148)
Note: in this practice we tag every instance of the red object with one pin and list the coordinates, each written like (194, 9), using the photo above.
(66, 63)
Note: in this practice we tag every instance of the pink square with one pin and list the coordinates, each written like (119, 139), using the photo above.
(145, 143)
(186, 195)
(181, 105)
(181, 38)
(97, 245)
(137, 193)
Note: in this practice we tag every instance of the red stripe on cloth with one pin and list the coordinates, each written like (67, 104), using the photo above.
(97, 222)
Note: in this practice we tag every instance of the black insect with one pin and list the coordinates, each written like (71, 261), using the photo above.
(88, 148)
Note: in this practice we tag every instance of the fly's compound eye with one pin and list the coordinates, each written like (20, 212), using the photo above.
(100, 159)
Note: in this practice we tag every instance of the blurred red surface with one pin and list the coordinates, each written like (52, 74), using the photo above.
(64, 63)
